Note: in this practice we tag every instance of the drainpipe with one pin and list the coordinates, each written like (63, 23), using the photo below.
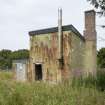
(60, 38)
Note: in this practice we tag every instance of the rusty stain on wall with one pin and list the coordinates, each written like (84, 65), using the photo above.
(44, 64)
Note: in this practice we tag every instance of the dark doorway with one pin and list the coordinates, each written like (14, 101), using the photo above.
(38, 72)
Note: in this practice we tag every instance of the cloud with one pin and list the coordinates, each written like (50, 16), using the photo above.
(18, 17)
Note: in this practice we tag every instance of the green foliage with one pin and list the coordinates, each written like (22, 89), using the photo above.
(88, 82)
(101, 79)
(6, 75)
(20, 54)
(97, 81)
(6, 57)
(12, 93)
(101, 58)
(99, 4)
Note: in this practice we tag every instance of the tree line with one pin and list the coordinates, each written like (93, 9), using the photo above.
(7, 56)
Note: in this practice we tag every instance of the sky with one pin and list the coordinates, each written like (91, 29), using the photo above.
(18, 17)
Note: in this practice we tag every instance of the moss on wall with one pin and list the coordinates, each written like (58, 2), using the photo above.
(77, 54)
(44, 50)
(90, 57)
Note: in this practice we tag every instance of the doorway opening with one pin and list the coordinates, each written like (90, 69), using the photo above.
(38, 71)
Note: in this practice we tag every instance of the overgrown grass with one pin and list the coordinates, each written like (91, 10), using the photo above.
(97, 81)
(6, 75)
(12, 93)
(15, 93)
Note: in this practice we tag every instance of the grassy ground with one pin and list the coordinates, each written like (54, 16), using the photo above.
(15, 93)
(4, 75)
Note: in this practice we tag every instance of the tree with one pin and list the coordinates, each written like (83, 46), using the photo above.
(100, 4)
(20, 54)
(6, 57)
(101, 58)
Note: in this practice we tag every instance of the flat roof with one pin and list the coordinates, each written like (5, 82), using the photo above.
(55, 29)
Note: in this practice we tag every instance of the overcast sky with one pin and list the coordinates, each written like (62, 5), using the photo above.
(18, 17)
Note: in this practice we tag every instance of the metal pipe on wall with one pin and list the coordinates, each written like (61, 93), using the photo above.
(60, 45)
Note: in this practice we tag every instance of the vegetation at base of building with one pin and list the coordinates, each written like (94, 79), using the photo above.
(39, 93)
(99, 4)
(6, 75)
(6, 57)
(97, 81)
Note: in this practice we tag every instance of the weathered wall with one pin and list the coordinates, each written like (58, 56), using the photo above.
(77, 55)
(91, 41)
(90, 58)
(44, 49)
(20, 69)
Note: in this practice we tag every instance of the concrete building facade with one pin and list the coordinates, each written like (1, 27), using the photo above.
(79, 52)
(90, 43)
(59, 53)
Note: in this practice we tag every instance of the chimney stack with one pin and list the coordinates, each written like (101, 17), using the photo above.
(90, 25)
(90, 43)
